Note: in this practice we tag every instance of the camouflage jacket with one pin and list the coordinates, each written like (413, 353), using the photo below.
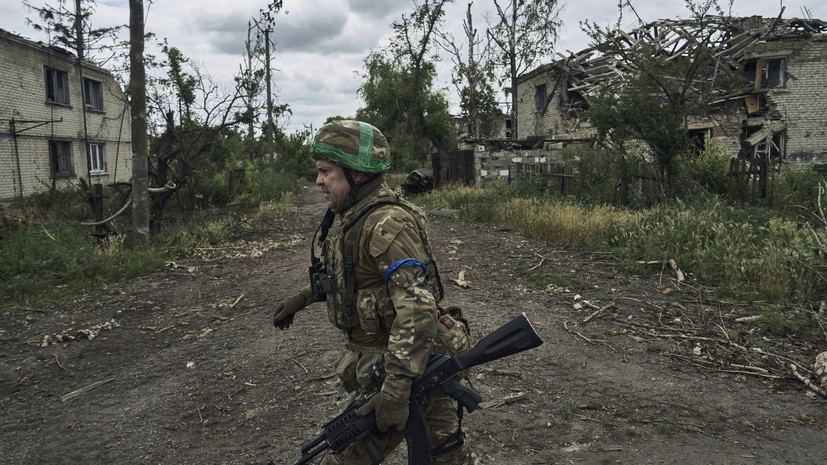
(393, 308)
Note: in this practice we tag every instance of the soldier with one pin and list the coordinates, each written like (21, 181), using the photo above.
(381, 285)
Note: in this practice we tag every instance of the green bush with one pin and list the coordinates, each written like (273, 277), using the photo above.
(596, 174)
(704, 174)
(797, 187)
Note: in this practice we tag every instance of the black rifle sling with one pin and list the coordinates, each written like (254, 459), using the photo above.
(416, 436)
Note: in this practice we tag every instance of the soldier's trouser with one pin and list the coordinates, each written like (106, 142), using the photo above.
(441, 421)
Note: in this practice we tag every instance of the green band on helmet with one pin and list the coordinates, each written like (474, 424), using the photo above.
(365, 141)
(364, 160)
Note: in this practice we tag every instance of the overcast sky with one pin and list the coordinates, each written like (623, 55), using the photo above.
(321, 44)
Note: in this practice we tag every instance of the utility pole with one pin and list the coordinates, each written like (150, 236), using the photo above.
(137, 89)
(270, 146)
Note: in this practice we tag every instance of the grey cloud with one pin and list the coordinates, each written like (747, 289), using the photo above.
(380, 9)
(223, 33)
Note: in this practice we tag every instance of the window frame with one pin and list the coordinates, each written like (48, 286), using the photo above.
(56, 82)
(758, 72)
(541, 96)
(93, 94)
(61, 162)
(96, 162)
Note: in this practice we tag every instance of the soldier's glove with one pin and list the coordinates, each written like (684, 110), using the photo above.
(283, 317)
(389, 413)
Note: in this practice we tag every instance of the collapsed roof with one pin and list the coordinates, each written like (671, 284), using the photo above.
(726, 38)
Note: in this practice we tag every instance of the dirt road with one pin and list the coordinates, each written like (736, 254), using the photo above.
(184, 366)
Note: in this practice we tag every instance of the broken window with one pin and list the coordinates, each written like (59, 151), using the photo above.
(767, 73)
(60, 156)
(768, 141)
(57, 86)
(771, 147)
(92, 94)
(540, 97)
(97, 157)
(697, 140)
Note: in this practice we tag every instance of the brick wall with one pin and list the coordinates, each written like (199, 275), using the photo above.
(802, 104)
(25, 166)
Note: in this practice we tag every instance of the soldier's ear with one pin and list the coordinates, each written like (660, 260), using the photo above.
(359, 176)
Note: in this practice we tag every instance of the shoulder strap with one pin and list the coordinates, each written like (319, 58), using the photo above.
(350, 254)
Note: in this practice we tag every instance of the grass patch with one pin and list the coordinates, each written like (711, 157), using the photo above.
(746, 254)
(46, 255)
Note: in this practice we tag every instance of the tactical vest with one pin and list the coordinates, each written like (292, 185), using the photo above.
(370, 308)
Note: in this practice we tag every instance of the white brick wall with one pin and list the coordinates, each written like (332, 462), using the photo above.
(24, 159)
(801, 104)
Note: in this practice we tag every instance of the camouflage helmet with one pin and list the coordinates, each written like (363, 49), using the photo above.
(352, 144)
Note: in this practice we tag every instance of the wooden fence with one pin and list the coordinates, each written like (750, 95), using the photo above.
(453, 167)
(749, 181)
(557, 176)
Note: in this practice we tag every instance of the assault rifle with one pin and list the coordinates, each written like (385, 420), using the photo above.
(513, 337)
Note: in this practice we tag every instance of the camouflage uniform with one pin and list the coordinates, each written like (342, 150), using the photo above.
(395, 321)
(385, 305)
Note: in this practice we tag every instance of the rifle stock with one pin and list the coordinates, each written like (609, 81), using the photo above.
(513, 337)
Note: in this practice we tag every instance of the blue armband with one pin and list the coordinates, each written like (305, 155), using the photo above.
(405, 262)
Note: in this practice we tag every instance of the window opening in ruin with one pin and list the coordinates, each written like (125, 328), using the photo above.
(92, 94)
(773, 147)
(767, 73)
(57, 86)
(697, 139)
(60, 156)
(97, 157)
(540, 97)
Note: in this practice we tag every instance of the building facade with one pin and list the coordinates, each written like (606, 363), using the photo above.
(777, 113)
(59, 122)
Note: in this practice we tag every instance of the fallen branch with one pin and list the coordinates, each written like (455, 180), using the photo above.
(80, 391)
(237, 300)
(299, 364)
(590, 341)
(672, 264)
(47, 233)
(503, 401)
(542, 260)
(494, 371)
(461, 281)
(807, 381)
(566, 327)
(598, 311)
(102, 222)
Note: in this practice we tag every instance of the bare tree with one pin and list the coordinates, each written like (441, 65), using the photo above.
(69, 24)
(525, 32)
(249, 79)
(472, 75)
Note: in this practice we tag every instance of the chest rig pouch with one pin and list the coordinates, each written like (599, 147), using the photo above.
(370, 308)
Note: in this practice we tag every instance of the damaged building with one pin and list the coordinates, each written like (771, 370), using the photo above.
(777, 111)
(59, 121)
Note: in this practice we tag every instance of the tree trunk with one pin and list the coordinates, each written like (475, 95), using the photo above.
(473, 112)
(137, 90)
(270, 147)
(512, 44)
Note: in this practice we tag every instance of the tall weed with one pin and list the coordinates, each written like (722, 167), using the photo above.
(756, 254)
(46, 255)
